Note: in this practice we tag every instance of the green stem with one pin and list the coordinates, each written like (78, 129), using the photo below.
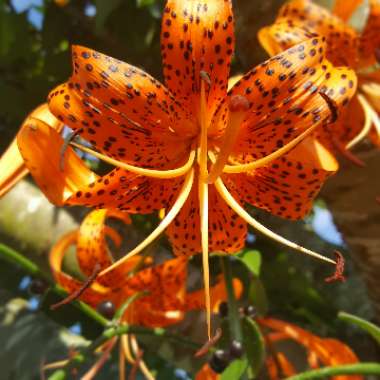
(349, 369)
(31, 268)
(233, 312)
(86, 353)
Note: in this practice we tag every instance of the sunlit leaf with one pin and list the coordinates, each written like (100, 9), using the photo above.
(235, 370)
(252, 260)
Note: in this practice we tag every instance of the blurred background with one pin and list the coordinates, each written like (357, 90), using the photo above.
(35, 40)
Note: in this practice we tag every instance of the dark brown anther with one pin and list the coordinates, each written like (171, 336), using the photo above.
(332, 107)
(339, 269)
(75, 295)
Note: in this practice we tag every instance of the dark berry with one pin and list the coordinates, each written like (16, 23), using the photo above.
(250, 311)
(223, 309)
(38, 286)
(236, 349)
(219, 361)
(107, 309)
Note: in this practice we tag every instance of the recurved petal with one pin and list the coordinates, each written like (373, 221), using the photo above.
(206, 373)
(92, 248)
(92, 295)
(370, 37)
(280, 363)
(287, 186)
(348, 125)
(121, 110)
(128, 192)
(40, 146)
(12, 167)
(197, 36)
(284, 99)
(300, 16)
(165, 284)
(227, 231)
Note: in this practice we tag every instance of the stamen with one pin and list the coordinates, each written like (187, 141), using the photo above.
(339, 269)
(210, 343)
(203, 201)
(203, 207)
(178, 204)
(126, 348)
(139, 361)
(368, 114)
(121, 362)
(230, 200)
(153, 173)
(333, 107)
(270, 157)
(76, 294)
(238, 108)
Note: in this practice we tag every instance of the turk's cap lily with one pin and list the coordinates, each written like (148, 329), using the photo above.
(299, 19)
(167, 299)
(192, 147)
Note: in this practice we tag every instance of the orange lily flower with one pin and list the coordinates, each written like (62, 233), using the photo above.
(12, 167)
(298, 19)
(320, 351)
(191, 147)
(166, 301)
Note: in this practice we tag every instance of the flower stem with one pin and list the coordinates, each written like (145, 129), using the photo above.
(348, 369)
(233, 312)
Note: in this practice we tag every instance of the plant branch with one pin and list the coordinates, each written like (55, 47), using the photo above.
(349, 369)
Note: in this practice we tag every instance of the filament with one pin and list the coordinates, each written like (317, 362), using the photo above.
(231, 201)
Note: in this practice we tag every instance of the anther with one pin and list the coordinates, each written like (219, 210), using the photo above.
(339, 269)
(76, 294)
(68, 139)
(332, 107)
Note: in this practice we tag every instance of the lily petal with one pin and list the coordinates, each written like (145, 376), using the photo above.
(303, 16)
(40, 146)
(122, 111)
(197, 36)
(227, 232)
(287, 186)
(370, 37)
(12, 168)
(345, 8)
(284, 98)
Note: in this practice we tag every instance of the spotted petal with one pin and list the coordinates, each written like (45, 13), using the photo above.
(284, 99)
(300, 16)
(122, 111)
(370, 37)
(288, 186)
(227, 231)
(197, 36)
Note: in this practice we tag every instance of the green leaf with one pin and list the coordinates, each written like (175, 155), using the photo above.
(235, 370)
(369, 327)
(253, 344)
(252, 260)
